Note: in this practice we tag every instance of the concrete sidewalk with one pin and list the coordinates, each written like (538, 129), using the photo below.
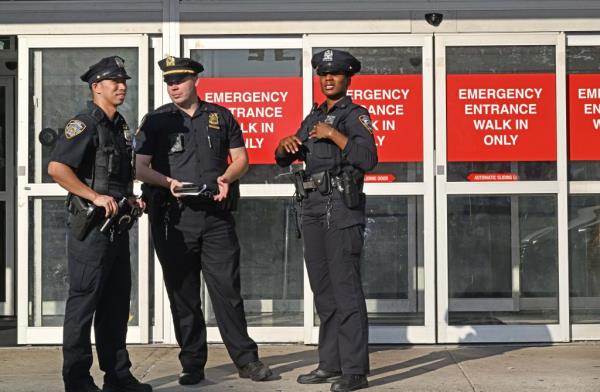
(512, 368)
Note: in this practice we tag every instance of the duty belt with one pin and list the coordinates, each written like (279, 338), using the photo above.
(311, 183)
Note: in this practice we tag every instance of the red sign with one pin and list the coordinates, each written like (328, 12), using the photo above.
(380, 178)
(501, 117)
(482, 177)
(584, 117)
(267, 109)
(395, 103)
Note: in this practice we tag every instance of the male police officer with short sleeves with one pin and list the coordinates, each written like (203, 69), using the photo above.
(93, 161)
(336, 142)
(189, 141)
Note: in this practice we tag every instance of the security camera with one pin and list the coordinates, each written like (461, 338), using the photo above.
(434, 18)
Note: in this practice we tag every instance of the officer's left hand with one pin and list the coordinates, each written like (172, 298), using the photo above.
(321, 130)
(223, 184)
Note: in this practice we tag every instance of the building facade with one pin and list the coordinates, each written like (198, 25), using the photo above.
(484, 211)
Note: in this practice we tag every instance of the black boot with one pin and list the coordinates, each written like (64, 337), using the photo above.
(191, 378)
(319, 376)
(126, 384)
(350, 382)
(83, 385)
(256, 371)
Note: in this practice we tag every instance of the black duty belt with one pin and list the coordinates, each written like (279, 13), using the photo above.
(309, 184)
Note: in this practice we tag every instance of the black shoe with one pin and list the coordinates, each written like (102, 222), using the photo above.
(86, 385)
(191, 378)
(127, 384)
(256, 371)
(350, 382)
(319, 376)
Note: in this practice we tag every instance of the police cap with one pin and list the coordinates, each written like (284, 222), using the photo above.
(112, 67)
(335, 61)
(175, 68)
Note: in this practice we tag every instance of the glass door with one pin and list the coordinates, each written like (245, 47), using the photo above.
(7, 183)
(396, 86)
(583, 88)
(501, 188)
(50, 92)
(260, 81)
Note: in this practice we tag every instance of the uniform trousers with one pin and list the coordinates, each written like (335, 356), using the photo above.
(99, 290)
(191, 240)
(332, 258)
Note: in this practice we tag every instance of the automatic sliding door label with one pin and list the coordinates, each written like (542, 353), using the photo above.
(395, 103)
(584, 117)
(501, 117)
(267, 109)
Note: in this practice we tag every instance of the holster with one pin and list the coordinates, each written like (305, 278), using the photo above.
(156, 198)
(351, 187)
(84, 216)
(298, 180)
(322, 181)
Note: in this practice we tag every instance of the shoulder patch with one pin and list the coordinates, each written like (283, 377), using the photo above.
(74, 128)
(365, 120)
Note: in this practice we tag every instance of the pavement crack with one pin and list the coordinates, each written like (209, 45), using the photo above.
(462, 370)
(152, 363)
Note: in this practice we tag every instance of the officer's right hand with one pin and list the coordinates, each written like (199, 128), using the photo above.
(108, 203)
(173, 183)
(290, 144)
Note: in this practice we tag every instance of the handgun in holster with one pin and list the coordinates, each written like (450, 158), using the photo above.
(298, 180)
(84, 216)
(156, 199)
(351, 187)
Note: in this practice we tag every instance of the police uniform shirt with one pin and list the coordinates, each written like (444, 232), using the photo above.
(322, 154)
(76, 146)
(190, 148)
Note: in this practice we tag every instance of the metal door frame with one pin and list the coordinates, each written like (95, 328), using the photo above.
(495, 333)
(7, 308)
(25, 190)
(584, 331)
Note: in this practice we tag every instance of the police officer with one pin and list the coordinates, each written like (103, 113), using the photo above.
(336, 142)
(92, 160)
(189, 141)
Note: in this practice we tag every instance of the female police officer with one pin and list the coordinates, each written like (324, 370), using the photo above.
(336, 142)
(93, 161)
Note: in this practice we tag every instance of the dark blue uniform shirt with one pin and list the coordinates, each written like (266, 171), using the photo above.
(190, 148)
(77, 147)
(322, 154)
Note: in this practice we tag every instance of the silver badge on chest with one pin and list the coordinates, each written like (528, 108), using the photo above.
(329, 120)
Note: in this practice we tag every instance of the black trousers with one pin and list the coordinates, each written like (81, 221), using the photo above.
(99, 290)
(332, 258)
(194, 240)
